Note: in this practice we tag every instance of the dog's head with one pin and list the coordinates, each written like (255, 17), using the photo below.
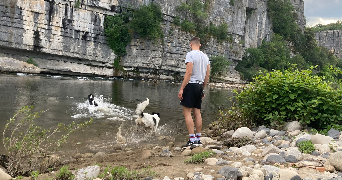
(90, 97)
(156, 114)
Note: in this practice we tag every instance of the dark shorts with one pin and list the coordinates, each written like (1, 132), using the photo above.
(192, 95)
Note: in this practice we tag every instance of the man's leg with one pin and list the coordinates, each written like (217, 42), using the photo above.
(188, 119)
(198, 120)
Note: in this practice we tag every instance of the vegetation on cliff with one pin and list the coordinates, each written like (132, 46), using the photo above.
(289, 45)
(331, 26)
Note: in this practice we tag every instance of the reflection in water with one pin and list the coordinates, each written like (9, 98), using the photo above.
(65, 100)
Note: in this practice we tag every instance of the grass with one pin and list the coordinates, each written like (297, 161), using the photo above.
(200, 157)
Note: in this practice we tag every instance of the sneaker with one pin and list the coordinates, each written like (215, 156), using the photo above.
(189, 143)
(198, 143)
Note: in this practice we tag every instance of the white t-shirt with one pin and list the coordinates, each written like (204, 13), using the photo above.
(199, 70)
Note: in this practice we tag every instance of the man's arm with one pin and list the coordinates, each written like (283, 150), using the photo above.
(206, 79)
(186, 79)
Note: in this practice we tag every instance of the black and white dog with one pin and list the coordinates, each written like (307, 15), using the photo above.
(146, 119)
(91, 100)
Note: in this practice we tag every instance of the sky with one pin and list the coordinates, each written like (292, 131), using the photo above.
(322, 11)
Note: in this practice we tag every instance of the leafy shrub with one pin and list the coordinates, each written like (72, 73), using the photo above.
(34, 175)
(231, 2)
(232, 118)
(117, 33)
(219, 65)
(187, 26)
(22, 139)
(306, 147)
(146, 21)
(65, 174)
(277, 97)
(200, 157)
(77, 4)
(31, 61)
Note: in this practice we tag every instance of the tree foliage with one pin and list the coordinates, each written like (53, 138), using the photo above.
(331, 26)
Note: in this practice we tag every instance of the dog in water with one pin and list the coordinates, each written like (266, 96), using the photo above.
(146, 119)
(91, 100)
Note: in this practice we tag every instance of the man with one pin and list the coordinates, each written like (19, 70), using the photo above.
(191, 92)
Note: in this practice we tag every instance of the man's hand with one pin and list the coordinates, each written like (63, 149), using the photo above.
(180, 94)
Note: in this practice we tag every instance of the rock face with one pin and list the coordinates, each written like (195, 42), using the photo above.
(332, 40)
(64, 37)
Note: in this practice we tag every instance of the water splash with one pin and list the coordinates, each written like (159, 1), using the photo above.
(105, 109)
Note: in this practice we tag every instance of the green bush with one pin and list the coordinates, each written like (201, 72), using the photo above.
(77, 4)
(331, 26)
(200, 157)
(65, 174)
(277, 97)
(146, 21)
(23, 139)
(187, 26)
(232, 118)
(117, 33)
(306, 147)
(218, 65)
(31, 61)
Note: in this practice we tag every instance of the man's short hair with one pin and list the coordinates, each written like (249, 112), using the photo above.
(195, 40)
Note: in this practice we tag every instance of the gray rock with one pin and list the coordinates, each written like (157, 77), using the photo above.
(222, 162)
(281, 133)
(267, 130)
(269, 169)
(230, 173)
(321, 139)
(292, 126)
(291, 159)
(270, 149)
(296, 177)
(266, 141)
(282, 154)
(166, 153)
(89, 172)
(315, 153)
(100, 156)
(294, 152)
(275, 159)
(249, 159)
(284, 146)
(335, 134)
(228, 134)
(243, 132)
(218, 151)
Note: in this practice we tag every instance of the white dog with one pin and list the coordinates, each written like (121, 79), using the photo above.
(148, 120)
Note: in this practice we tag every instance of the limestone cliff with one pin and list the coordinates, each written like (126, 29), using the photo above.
(331, 39)
(66, 36)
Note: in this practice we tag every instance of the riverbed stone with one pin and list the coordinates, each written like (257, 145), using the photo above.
(166, 153)
(4, 175)
(292, 126)
(270, 149)
(89, 172)
(222, 162)
(211, 161)
(294, 151)
(242, 133)
(321, 139)
(335, 134)
(335, 160)
(295, 132)
(286, 174)
(291, 159)
(322, 148)
(275, 159)
(230, 173)
(260, 134)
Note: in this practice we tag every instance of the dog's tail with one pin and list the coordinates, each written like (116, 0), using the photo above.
(141, 107)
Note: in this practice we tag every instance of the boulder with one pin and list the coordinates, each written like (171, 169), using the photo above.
(335, 160)
(321, 139)
(211, 161)
(322, 148)
(243, 132)
(275, 159)
(292, 126)
(294, 151)
(4, 175)
(270, 149)
(291, 159)
(286, 174)
(166, 153)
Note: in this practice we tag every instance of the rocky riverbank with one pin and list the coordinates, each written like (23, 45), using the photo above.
(269, 154)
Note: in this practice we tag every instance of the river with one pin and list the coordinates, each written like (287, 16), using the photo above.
(64, 99)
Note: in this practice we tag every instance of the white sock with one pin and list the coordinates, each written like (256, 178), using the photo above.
(192, 137)
(198, 136)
